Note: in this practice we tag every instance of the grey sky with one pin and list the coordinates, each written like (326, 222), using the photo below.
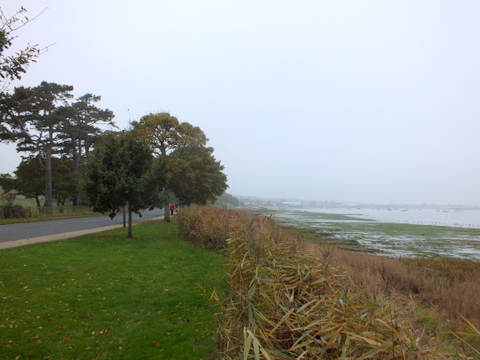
(361, 101)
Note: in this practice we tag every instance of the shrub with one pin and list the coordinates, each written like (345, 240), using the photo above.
(14, 211)
(208, 227)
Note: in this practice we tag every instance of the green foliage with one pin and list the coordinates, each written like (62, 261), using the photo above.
(7, 183)
(30, 179)
(43, 123)
(160, 130)
(104, 297)
(65, 183)
(195, 176)
(29, 115)
(13, 66)
(80, 131)
(8, 211)
(31, 119)
(227, 199)
(123, 172)
(58, 212)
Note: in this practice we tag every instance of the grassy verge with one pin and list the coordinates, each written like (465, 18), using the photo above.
(58, 213)
(102, 296)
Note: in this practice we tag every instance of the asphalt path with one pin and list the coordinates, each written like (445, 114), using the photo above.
(22, 231)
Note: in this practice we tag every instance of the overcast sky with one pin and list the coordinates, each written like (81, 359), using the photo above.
(355, 101)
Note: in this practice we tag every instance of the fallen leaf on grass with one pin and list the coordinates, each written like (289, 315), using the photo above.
(101, 332)
(156, 343)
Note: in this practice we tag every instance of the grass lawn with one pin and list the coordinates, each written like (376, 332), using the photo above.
(101, 296)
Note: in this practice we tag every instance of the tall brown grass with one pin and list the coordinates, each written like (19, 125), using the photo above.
(290, 299)
(445, 292)
(450, 286)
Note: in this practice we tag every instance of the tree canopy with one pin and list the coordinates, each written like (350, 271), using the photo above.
(123, 172)
(31, 119)
(28, 180)
(43, 122)
(13, 66)
(195, 176)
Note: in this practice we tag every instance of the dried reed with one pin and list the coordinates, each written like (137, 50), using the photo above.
(287, 302)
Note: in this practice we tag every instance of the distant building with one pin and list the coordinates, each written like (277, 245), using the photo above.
(292, 203)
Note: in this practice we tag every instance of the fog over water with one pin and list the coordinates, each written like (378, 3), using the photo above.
(456, 218)
(354, 101)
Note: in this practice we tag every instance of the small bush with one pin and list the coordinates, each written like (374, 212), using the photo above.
(208, 227)
(14, 212)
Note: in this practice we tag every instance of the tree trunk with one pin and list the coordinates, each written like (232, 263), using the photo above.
(76, 166)
(130, 234)
(166, 212)
(48, 175)
(166, 209)
(124, 216)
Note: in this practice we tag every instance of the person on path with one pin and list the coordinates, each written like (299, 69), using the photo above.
(172, 209)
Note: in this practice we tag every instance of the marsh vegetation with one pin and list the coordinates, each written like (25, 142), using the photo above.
(291, 297)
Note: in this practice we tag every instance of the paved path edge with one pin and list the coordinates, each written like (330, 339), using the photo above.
(64, 236)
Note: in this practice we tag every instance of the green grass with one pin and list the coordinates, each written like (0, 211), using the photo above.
(102, 296)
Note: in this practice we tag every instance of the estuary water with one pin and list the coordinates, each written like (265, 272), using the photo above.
(455, 218)
(451, 233)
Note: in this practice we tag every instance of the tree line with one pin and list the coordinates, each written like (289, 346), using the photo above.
(51, 130)
(74, 150)
(70, 154)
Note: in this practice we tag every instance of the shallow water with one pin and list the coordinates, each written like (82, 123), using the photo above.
(421, 233)
(457, 218)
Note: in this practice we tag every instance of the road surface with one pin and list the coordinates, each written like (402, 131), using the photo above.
(28, 233)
